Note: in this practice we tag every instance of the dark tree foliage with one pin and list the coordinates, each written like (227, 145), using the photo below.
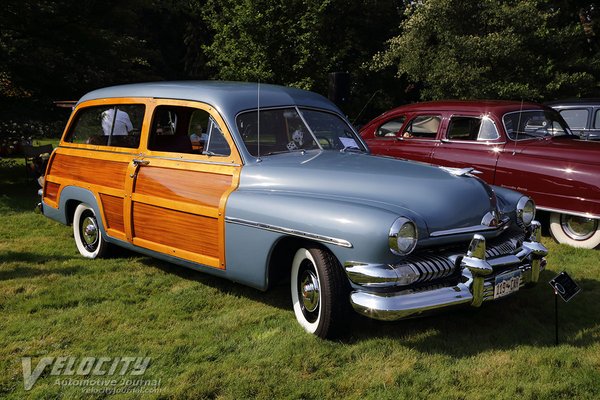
(517, 49)
(299, 42)
(394, 50)
(53, 50)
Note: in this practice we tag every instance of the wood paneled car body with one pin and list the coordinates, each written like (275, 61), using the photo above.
(522, 146)
(252, 183)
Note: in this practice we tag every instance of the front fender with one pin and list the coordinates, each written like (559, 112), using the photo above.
(351, 231)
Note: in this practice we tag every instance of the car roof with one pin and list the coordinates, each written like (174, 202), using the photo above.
(482, 106)
(228, 97)
(574, 102)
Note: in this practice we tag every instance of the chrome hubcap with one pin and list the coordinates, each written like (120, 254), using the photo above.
(309, 288)
(89, 231)
(578, 228)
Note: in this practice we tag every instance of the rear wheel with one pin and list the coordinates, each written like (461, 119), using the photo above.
(86, 230)
(575, 231)
(319, 292)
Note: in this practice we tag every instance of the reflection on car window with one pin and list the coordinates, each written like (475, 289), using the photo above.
(521, 125)
(291, 129)
(117, 125)
(422, 127)
(186, 130)
(390, 128)
(575, 118)
(471, 129)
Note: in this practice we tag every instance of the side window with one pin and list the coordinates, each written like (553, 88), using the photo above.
(576, 118)
(422, 127)
(390, 128)
(119, 125)
(216, 143)
(471, 128)
(186, 130)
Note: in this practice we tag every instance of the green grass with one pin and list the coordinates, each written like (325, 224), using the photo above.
(210, 338)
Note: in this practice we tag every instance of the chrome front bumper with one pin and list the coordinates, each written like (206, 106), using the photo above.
(476, 283)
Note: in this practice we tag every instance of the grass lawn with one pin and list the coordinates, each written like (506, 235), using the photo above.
(210, 338)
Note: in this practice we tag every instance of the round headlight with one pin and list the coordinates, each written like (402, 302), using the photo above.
(525, 210)
(403, 236)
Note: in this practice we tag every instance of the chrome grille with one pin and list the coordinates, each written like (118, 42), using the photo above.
(432, 266)
(506, 247)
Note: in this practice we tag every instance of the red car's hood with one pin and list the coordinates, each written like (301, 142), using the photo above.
(584, 151)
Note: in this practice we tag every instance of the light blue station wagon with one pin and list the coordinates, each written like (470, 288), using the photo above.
(257, 183)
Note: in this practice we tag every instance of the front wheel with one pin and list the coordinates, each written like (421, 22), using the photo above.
(319, 292)
(86, 230)
(575, 231)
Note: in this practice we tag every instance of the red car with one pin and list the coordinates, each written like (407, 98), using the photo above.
(526, 147)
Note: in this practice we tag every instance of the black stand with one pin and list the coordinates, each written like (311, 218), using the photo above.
(556, 315)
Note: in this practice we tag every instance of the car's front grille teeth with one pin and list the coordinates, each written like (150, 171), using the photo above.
(432, 266)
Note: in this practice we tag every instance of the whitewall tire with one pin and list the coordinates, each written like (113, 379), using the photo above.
(87, 232)
(575, 231)
(319, 294)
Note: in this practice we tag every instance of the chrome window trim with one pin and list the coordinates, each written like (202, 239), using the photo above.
(289, 231)
(480, 116)
(146, 156)
(483, 142)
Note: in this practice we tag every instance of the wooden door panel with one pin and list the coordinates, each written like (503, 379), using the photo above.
(89, 170)
(195, 187)
(177, 208)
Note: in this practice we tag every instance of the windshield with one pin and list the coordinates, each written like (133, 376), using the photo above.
(292, 129)
(521, 125)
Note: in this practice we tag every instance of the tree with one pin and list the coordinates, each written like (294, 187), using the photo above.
(53, 50)
(516, 49)
(299, 42)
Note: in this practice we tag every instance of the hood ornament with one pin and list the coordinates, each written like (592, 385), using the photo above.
(461, 171)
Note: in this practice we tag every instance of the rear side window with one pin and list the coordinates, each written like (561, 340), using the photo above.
(576, 118)
(471, 129)
(422, 127)
(118, 125)
(390, 128)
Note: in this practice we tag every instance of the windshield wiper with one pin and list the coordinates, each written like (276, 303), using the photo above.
(283, 151)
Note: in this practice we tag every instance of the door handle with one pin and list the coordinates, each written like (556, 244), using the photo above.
(138, 162)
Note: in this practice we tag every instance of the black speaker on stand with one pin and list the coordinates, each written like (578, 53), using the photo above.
(339, 87)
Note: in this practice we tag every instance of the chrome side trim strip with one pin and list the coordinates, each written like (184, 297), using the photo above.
(575, 213)
(289, 231)
(472, 229)
(191, 161)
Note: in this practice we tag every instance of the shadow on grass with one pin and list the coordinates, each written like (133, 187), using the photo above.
(25, 257)
(31, 272)
(277, 297)
(524, 319)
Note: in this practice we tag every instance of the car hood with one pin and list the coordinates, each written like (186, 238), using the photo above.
(558, 148)
(434, 198)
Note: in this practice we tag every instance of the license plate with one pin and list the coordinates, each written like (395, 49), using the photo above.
(507, 283)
